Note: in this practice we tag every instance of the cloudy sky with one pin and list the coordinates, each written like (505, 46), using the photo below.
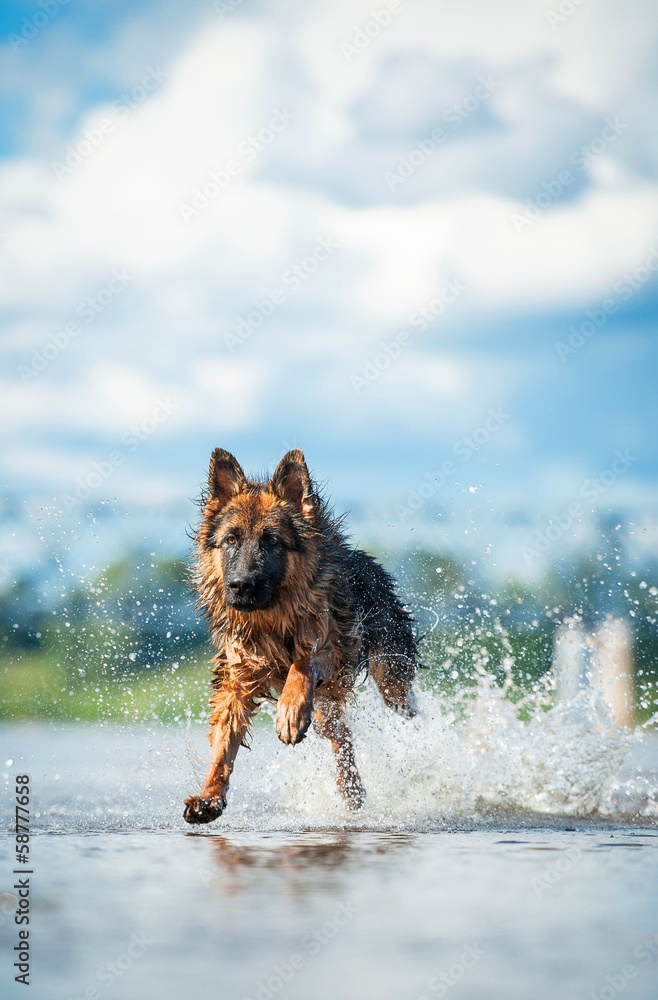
(421, 243)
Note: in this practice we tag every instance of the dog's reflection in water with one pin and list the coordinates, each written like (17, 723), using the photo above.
(299, 864)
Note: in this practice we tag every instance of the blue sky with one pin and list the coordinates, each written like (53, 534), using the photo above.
(361, 174)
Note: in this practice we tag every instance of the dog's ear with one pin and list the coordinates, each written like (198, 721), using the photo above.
(292, 482)
(225, 476)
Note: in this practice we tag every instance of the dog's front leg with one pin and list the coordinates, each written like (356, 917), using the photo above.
(295, 708)
(232, 710)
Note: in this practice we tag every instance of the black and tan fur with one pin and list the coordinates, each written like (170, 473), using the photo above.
(295, 614)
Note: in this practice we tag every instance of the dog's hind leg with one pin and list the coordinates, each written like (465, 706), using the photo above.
(388, 636)
(393, 675)
(329, 721)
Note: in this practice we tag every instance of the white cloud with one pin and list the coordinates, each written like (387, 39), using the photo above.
(221, 395)
(322, 175)
(121, 205)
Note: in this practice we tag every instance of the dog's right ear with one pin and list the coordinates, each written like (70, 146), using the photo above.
(225, 476)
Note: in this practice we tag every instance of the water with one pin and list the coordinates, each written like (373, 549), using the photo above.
(494, 859)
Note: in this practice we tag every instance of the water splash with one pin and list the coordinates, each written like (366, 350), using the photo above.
(429, 773)
(432, 770)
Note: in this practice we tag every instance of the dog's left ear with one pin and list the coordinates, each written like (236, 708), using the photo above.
(292, 482)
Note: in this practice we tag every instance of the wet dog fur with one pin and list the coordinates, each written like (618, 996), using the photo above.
(295, 614)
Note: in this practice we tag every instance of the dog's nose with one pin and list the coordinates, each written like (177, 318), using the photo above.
(242, 586)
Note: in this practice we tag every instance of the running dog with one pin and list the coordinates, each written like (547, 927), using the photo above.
(295, 614)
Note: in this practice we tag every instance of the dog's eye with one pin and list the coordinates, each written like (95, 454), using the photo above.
(271, 541)
(230, 540)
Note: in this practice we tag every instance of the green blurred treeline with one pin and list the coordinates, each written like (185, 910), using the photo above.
(128, 642)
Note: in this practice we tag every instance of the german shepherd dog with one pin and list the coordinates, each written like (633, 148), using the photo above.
(294, 614)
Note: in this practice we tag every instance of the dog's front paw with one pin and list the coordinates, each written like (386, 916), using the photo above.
(293, 717)
(203, 810)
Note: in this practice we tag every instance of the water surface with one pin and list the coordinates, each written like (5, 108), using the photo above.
(491, 863)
